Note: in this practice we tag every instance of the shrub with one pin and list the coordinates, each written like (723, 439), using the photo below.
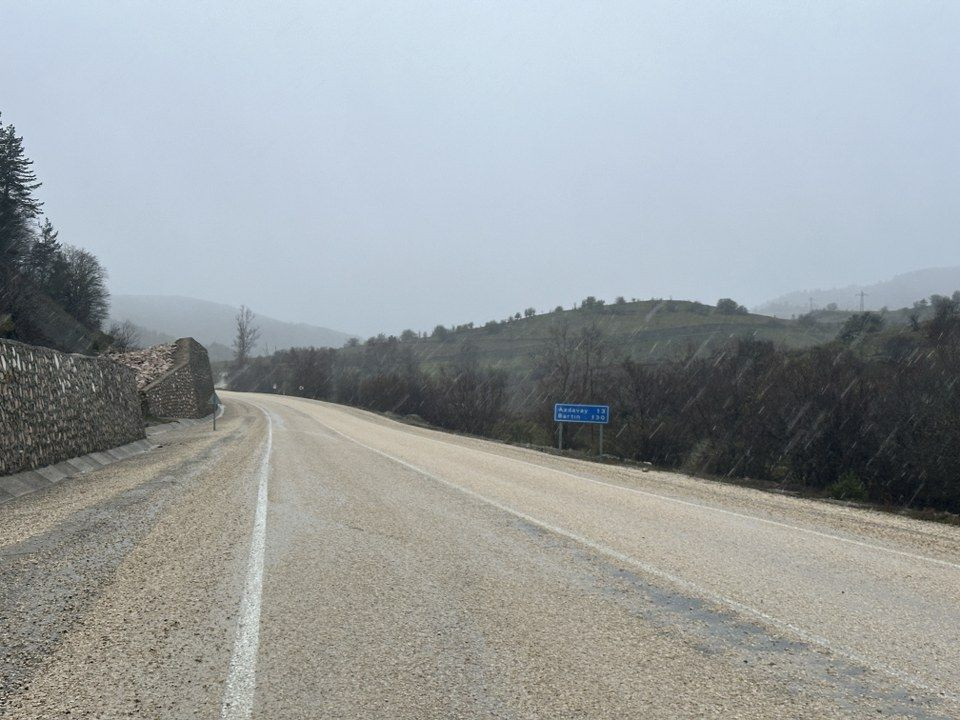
(848, 487)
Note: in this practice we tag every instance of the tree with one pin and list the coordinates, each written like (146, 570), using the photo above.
(558, 309)
(529, 312)
(728, 306)
(36, 271)
(408, 336)
(860, 324)
(555, 361)
(18, 206)
(246, 338)
(124, 336)
(83, 293)
(590, 349)
(44, 262)
(621, 300)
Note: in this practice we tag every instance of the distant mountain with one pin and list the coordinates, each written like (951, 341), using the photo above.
(900, 291)
(160, 317)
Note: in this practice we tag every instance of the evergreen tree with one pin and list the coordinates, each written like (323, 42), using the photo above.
(18, 206)
(44, 262)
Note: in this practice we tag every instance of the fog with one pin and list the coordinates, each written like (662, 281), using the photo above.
(373, 166)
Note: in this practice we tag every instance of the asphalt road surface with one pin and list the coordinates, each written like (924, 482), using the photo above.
(312, 561)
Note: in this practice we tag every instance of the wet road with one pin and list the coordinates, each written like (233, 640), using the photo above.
(312, 561)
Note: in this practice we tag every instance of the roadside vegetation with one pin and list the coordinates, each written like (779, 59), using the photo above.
(872, 415)
(51, 293)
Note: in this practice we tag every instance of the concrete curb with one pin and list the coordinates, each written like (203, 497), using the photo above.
(28, 481)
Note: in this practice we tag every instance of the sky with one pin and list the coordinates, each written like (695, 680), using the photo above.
(372, 166)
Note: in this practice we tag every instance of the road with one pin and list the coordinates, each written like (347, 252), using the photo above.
(307, 560)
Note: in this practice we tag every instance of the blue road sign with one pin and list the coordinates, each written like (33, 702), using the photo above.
(570, 412)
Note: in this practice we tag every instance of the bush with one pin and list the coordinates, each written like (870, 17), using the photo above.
(848, 487)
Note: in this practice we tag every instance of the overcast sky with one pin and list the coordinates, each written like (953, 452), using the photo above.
(374, 166)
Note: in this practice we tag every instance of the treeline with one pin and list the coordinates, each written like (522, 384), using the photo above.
(872, 416)
(50, 293)
(882, 426)
(384, 376)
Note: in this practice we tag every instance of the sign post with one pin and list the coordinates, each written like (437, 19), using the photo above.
(215, 403)
(574, 412)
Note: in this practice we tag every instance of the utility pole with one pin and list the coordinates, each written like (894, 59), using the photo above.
(811, 304)
(862, 296)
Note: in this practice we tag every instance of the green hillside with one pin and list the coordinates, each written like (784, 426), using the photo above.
(647, 330)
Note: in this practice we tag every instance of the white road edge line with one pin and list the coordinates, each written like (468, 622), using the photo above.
(674, 580)
(690, 503)
(703, 506)
(241, 682)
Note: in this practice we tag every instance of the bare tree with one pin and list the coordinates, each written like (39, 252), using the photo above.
(556, 360)
(590, 349)
(125, 336)
(246, 338)
(84, 288)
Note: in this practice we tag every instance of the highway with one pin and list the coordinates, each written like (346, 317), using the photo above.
(307, 560)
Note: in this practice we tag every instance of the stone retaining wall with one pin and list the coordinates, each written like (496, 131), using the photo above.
(184, 390)
(55, 406)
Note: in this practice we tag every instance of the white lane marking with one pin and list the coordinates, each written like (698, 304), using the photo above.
(242, 673)
(686, 585)
(702, 506)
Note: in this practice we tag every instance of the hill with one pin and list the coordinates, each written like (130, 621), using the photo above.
(160, 317)
(900, 291)
(647, 330)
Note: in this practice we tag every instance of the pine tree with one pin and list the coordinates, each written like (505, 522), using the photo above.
(18, 206)
(44, 262)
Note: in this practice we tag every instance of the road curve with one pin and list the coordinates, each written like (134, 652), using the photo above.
(307, 560)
